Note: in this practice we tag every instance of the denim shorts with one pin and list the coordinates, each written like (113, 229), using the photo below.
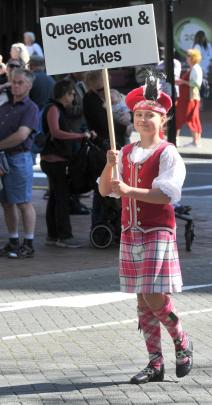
(17, 184)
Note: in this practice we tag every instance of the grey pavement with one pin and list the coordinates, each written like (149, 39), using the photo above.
(69, 336)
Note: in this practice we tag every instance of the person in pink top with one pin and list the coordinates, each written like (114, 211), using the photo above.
(151, 175)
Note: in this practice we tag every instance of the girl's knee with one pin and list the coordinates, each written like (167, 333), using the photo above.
(154, 301)
(141, 303)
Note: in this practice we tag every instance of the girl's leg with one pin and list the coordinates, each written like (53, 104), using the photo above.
(150, 326)
(163, 308)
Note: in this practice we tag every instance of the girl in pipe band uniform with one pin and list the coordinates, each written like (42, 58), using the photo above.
(151, 175)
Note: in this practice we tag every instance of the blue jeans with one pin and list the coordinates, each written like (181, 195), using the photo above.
(17, 184)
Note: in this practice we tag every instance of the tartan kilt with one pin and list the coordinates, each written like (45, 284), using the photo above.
(149, 262)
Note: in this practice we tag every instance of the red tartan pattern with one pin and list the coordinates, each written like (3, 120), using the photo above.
(150, 326)
(149, 262)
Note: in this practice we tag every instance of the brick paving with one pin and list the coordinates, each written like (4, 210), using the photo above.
(57, 346)
(68, 336)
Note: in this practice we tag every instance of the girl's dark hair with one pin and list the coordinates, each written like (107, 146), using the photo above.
(61, 88)
(201, 39)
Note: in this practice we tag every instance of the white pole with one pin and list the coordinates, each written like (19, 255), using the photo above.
(110, 117)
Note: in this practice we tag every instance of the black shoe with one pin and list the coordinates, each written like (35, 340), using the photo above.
(24, 252)
(9, 248)
(183, 369)
(148, 374)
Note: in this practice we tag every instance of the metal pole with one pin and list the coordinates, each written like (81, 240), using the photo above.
(170, 67)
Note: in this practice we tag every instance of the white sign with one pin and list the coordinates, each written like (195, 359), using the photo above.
(100, 39)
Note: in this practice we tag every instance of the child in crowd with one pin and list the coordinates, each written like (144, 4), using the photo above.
(118, 104)
(118, 108)
(151, 175)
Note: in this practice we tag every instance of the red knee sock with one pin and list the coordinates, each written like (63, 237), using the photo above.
(150, 326)
(167, 315)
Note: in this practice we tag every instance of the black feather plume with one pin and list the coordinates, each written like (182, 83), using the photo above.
(152, 83)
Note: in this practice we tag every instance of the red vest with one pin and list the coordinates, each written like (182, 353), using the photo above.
(142, 215)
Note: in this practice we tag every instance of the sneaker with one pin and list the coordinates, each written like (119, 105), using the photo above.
(9, 248)
(24, 252)
(51, 241)
(184, 367)
(148, 374)
(69, 243)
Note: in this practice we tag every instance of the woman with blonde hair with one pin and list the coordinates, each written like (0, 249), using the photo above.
(19, 52)
(188, 105)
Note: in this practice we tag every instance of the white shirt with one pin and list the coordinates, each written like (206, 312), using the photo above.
(196, 75)
(171, 174)
(35, 49)
(206, 57)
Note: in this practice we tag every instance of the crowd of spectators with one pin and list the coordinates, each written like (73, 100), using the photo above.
(76, 110)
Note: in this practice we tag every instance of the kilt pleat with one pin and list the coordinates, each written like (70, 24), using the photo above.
(149, 262)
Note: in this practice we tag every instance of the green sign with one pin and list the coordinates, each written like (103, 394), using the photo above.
(185, 30)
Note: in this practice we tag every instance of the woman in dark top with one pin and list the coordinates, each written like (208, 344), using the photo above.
(54, 162)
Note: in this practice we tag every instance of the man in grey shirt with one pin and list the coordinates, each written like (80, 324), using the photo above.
(18, 121)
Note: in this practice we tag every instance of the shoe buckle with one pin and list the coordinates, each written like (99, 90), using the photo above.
(181, 354)
(148, 370)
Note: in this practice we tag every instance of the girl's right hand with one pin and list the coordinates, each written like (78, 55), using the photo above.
(112, 157)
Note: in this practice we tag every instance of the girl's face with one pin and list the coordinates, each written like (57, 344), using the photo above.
(148, 122)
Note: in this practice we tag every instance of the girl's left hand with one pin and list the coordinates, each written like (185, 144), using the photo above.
(120, 188)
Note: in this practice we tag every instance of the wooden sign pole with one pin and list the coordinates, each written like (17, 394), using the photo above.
(110, 117)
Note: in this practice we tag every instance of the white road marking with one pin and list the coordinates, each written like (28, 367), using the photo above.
(188, 196)
(79, 301)
(207, 187)
(92, 326)
(197, 161)
(84, 301)
(200, 173)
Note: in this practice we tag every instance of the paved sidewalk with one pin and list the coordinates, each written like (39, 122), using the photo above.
(187, 150)
(68, 335)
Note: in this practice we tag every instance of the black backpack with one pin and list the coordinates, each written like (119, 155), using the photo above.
(85, 167)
